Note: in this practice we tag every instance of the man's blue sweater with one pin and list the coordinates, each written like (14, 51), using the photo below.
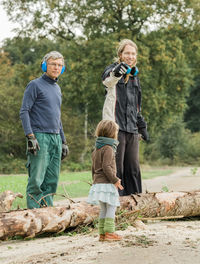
(41, 107)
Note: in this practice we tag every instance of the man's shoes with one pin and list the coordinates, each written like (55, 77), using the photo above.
(112, 237)
(101, 237)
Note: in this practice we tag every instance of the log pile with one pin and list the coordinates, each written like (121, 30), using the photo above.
(31, 222)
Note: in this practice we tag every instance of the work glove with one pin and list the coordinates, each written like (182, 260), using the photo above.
(142, 127)
(32, 145)
(144, 133)
(65, 151)
(134, 71)
(120, 69)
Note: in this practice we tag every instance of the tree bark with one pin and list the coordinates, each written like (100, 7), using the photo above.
(31, 222)
(163, 204)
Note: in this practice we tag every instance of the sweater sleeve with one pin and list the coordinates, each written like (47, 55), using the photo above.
(108, 78)
(29, 98)
(108, 165)
(62, 133)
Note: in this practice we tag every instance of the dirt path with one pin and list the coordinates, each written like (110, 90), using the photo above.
(166, 242)
(183, 179)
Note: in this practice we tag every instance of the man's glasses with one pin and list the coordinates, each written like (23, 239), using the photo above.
(55, 64)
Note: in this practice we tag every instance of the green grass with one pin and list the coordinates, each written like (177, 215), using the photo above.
(15, 183)
(75, 184)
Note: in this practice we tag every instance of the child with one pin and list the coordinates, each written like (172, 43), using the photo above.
(105, 182)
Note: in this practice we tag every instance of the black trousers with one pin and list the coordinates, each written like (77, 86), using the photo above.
(127, 161)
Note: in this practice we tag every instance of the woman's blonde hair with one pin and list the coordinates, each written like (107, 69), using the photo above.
(107, 128)
(120, 48)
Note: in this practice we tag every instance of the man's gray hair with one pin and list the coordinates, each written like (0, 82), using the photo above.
(54, 55)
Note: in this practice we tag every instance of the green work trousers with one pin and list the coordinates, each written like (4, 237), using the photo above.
(44, 170)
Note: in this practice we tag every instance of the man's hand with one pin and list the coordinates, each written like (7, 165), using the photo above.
(120, 69)
(65, 151)
(32, 144)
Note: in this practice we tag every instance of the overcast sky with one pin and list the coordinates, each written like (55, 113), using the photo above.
(5, 26)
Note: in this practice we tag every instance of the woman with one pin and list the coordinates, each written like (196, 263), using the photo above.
(123, 105)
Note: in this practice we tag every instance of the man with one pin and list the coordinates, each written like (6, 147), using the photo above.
(123, 105)
(41, 120)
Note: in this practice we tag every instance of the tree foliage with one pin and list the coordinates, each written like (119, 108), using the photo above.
(86, 32)
(193, 110)
(95, 18)
(166, 78)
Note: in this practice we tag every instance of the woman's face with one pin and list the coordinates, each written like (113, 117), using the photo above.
(129, 55)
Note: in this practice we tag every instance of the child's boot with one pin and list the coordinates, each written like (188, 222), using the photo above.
(109, 229)
(101, 237)
(112, 237)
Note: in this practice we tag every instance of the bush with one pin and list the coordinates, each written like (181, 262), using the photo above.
(174, 145)
(9, 164)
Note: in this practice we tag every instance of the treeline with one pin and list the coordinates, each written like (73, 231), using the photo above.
(168, 61)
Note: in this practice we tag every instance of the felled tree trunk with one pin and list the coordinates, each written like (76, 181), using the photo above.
(164, 204)
(29, 223)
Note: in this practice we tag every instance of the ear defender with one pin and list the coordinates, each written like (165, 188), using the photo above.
(128, 70)
(136, 71)
(44, 67)
(63, 69)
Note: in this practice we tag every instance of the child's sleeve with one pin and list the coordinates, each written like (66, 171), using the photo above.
(109, 166)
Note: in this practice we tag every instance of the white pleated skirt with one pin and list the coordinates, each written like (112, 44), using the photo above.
(104, 192)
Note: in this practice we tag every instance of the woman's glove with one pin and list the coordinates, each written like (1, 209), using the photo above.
(120, 69)
(144, 133)
(142, 127)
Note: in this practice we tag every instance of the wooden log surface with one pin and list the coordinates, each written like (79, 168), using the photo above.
(163, 204)
(31, 222)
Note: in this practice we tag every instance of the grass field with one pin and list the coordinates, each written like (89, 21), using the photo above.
(74, 184)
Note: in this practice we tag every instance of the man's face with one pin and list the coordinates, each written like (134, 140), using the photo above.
(54, 68)
(129, 55)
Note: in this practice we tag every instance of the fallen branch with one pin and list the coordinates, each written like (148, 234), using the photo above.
(161, 218)
(6, 200)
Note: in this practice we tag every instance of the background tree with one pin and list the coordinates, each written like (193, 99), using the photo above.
(166, 78)
(192, 113)
(95, 18)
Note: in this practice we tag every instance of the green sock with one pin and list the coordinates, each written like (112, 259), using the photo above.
(101, 226)
(109, 225)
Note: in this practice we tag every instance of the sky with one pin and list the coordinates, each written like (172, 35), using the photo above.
(5, 26)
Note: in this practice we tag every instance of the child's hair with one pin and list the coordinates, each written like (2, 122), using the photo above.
(107, 128)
